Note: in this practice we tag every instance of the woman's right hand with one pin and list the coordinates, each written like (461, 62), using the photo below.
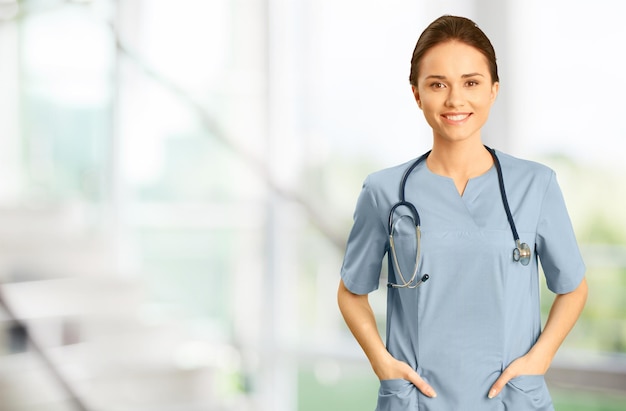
(394, 369)
(359, 317)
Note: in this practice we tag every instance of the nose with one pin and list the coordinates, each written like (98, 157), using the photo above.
(455, 97)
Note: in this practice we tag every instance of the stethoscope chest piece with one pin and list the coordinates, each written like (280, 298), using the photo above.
(521, 253)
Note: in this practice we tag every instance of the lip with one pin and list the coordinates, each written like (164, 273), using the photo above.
(456, 118)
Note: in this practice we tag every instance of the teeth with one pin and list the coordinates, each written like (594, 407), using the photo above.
(457, 117)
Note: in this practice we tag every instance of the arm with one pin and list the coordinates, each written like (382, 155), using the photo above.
(565, 310)
(359, 317)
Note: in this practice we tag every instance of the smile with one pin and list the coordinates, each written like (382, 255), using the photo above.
(456, 117)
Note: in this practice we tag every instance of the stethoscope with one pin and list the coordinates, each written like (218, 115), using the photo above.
(521, 252)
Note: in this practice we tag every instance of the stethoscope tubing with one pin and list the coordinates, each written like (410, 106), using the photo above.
(521, 252)
(505, 201)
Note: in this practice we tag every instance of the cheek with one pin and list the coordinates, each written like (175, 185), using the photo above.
(427, 109)
(483, 103)
(431, 103)
(431, 116)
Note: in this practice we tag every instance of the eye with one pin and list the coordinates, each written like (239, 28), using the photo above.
(471, 83)
(437, 85)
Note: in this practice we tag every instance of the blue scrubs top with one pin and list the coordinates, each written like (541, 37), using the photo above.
(479, 310)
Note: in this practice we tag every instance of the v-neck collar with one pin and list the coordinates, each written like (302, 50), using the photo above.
(470, 183)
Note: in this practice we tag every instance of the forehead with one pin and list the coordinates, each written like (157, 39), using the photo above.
(453, 59)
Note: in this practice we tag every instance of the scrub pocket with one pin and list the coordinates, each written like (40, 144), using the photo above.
(526, 393)
(396, 395)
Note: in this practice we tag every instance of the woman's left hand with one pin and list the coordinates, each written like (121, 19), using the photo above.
(563, 315)
(525, 365)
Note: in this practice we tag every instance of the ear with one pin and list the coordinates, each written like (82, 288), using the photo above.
(416, 94)
(495, 88)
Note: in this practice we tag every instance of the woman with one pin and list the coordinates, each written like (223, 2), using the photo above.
(463, 324)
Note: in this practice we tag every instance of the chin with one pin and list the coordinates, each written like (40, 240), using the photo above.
(458, 138)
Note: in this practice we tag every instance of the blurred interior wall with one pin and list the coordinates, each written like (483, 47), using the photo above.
(177, 179)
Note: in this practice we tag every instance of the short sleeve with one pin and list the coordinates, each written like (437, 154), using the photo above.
(366, 246)
(557, 248)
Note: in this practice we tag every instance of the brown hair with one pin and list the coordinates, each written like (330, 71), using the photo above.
(448, 28)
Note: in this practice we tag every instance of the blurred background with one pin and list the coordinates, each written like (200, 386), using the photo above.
(177, 182)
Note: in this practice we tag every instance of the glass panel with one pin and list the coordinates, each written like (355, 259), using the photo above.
(67, 65)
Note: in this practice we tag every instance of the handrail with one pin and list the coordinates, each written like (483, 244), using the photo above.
(52, 368)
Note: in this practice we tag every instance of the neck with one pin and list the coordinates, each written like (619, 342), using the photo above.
(463, 160)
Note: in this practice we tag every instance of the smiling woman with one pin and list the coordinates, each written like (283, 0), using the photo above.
(470, 337)
(455, 90)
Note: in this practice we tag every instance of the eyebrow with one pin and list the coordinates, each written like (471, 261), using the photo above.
(440, 77)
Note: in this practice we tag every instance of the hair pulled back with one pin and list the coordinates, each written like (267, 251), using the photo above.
(449, 28)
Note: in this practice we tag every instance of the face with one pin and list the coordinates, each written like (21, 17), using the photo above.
(455, 91)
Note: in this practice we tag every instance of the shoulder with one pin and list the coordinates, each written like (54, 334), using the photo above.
(520, 170)
(383, 179)
(383, 186)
